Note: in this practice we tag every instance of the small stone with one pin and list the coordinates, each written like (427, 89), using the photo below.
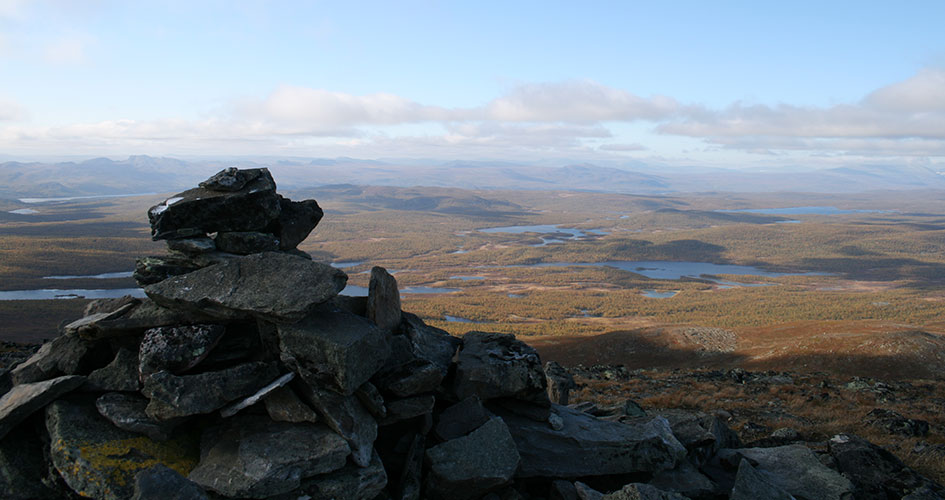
(175, 396)
(415, 377)
(346, 416)
(157, 268)
(638, 491)
(383, 303)
(461, 419)
(192, 246)
(295, 222)
(372, 400)
(283, 405)
(234, 408)
(406, 408)
(119, 375)
(562, 490)
(163, 483)
(64, 355)
(176, 349)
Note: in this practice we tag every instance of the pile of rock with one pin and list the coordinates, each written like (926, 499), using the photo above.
(245, 375)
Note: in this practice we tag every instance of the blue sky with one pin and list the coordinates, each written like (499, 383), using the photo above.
(726, 84)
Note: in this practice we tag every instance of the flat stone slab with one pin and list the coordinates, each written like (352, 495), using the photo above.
(254, 457)
(64, 355)
(334, 349)
(25, 399)
(175, 396)
(797, 470)
(584, 445)
(471, 465)
(127, 411)
(273, 286)
(98, 460)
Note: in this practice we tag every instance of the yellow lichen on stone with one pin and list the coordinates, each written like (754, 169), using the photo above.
(118, 460)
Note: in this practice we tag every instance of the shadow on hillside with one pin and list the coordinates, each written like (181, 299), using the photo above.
(80, 230)
(646, 349)
(879, 268)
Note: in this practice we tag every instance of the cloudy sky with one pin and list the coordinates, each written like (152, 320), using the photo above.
(727, 84)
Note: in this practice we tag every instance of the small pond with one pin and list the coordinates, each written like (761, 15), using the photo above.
(656, 294)
(103, 276)
(50, 294)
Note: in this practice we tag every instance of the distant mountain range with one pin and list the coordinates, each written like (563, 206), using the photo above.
(145, 174)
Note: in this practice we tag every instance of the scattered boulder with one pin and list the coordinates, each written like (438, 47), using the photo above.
(254, 457)
(383, 303)
(586, 446)
(797, 470)
(496, 365)
(271, 286)
(895, 423)
(469, 466)
(876, 473)
(560, 383)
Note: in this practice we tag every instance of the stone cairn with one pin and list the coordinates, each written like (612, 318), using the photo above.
(245, 375)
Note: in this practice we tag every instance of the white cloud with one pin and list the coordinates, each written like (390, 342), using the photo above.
(67, 50)
(922, 93)
(622, 147)
(11, 111)
(582, 101)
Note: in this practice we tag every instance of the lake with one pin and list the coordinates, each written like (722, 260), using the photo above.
(73, 198)
(362, 291)
(654, 294)
(805, 211)
(458, 319)
(671, 270)
(103, 276)
(50, 294)
(572, 234)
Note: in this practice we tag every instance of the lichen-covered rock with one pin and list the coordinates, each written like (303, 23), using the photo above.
(192, 246)
(209, 209)
(638, 491)
(163, 483)
(176, 348)
(587, 446)
(25, 399)
(157, 268)
(175, 396)
(98, 460)
(254, 457)
(64, 355)
(271, 285)
(383, 303)
(296, 221)
(496, 365)
(333, 349)
(127, 411)
(469, 466)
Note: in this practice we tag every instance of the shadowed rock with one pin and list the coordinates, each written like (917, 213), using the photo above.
(246, 242)
(753, 485)
(163, 483)
(403, 409)
(24, 472)
(202, 210)
(876, 473)
(192, 246)
(797, 470)
(25, 399)
(64, 355)
(560, 383)
(296, 221)
(348, 483)
(469, 466)
(271, 285)
(334, 349)
(254, 457)
(283, 405)
(176, 348)
(383, 303)
(497, 365)
(141, 316)
(119, 375)
(638, 491)
(586, 446)
(461, 419)
(175, 396)
(127, 411)
(346, 416)
(157, 268)
(431, 343)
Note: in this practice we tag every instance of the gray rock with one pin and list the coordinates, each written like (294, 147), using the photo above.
(587, 446)
(875, 472)
(334, 349)
(127, 411)
(234, 408)
(23, 468)
(97, 459)
(109, 305)
(461, 419)
(685, 479)
(254, 457)
(231, 179)
(410, 485)
(383, 303)
(415, 377)
(637, 491)
(431, 343)
(470, 466)
(296, 221)
(753, 485)
(702, 434)
(372, 400)
(246, 242)
(175, 396)
(796, 469)
(348, 483)
(163, 483)
(199, 211)
(142, 316)
(157, 268)
(271, 285)
(25, 399)
(192, 246)
(119, 375)
(496, 365)
(894, 423)
(91, 319)
(562, 490)
(346, 416)
(560, 383)
(585, 492)
(283, 405)
(176, 348)
(403, 409)
(64, 355)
